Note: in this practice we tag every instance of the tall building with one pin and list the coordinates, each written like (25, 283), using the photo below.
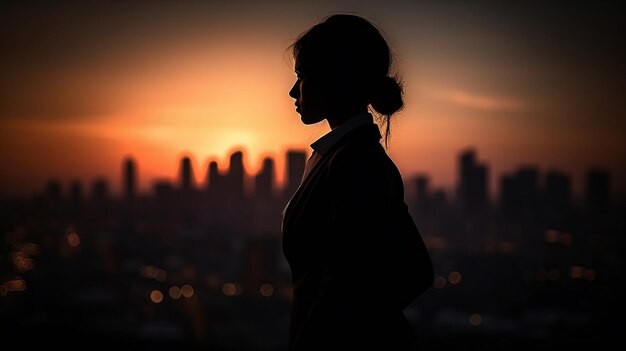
(528, 183)
(519, 193)
(100, 190)
(130, 178)
(472, 190)
(264, 180)
(557, 192)
(294, 167)
(186, 174)
(54, 190)
(598, 190)
(76, 192)
(236, 174)
(213, 177)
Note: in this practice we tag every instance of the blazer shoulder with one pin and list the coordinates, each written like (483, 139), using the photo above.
(364, 157)
(363, 141)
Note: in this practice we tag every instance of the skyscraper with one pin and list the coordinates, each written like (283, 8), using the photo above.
(100, 190)
(76, 192)
(213, 178)
(294, 166)
(186, 174)
(519, 193)
(558, 192)
(236, 174)
(54, 190)
(472, 189)
(598, 190)
(130, 178)
(264, 180)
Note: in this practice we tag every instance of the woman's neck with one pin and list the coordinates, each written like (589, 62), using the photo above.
(337, 118)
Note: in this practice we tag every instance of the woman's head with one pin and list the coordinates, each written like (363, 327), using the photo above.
(343, 65)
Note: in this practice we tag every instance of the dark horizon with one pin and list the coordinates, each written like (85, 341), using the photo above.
(204, 268)
(493, 197)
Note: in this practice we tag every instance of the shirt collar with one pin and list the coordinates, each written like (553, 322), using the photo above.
(325, 143)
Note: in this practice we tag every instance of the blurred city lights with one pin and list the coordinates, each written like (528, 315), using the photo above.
(160, 275)
(31, 249)
(267, 290)
(187, 291)
(156, 296)
(17, 284)
(73, 239)
(454, 277)
(231, 289)
(576, 272)
(146, 271)
(175, 292)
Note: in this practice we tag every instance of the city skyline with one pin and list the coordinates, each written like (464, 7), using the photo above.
(201, 263)
(525, 83)
(473, 188)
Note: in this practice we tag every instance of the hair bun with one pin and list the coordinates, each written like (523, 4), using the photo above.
(386, 95)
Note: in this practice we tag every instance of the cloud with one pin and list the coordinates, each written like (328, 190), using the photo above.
(56, 97)
(476, 101)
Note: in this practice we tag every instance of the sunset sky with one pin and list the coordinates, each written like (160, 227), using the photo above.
(84, 84)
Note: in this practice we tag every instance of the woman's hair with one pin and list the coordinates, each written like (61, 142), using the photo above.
(353, 49)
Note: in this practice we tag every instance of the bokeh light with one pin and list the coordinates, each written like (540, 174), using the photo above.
(175, 292)
(454, 278)
(187, 290)
(266, 290)
(73, 239)
(156, 296)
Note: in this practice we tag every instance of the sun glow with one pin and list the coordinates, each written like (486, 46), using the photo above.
(206, 91)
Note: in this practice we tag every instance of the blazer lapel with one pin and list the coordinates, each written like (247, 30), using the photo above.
(304, 188)
(367, 131)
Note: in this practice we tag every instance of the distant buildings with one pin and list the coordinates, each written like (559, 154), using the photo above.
(199, 256)
(598, 190)
(521, 193)
(130, 178)
(472, 188)
(294, 165)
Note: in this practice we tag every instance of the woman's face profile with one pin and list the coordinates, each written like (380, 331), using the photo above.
(310, 95)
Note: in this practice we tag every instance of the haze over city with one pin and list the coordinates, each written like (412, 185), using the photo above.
(85, 85)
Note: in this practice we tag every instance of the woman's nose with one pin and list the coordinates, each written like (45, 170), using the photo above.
(295, 91)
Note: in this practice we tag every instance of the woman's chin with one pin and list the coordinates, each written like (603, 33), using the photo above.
(310, 119)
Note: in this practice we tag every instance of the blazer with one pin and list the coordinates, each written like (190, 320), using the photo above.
(356, 256)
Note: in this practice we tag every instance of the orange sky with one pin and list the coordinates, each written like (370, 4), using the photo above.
(165, 82)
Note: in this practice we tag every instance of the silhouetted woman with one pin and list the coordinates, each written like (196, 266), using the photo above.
(356, 256)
